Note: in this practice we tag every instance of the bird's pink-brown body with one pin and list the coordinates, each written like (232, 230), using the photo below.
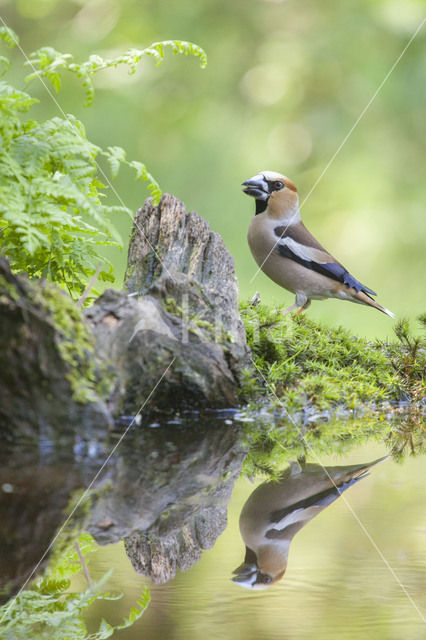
(288, 253)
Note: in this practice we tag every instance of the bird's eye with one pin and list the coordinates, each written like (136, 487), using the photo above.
(278, 185)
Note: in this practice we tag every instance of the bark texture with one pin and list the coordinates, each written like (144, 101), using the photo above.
(179, 321)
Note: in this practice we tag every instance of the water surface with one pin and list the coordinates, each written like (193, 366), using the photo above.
(357, 569)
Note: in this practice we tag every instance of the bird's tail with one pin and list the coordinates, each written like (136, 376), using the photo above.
(355, 472)
(361, 298)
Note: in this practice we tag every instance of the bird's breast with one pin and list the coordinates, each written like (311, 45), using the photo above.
(262, 242)
(284, 271)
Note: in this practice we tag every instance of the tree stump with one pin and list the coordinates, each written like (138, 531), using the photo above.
(179, 322)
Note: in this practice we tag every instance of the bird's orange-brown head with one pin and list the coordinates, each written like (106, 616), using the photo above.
(262, 570)
(274, 193)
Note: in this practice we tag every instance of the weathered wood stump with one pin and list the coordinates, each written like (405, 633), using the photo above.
(179, 320)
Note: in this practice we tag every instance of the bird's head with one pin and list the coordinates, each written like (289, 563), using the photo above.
(250, 576)
(261, 571)
(274, 193)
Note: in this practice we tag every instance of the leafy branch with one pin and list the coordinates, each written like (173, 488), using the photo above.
(50, 64)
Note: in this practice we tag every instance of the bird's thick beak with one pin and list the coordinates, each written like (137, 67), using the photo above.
(245, 569)
(257, 187)
(245, 575)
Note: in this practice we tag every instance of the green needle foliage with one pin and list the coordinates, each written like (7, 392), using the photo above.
(53, 222)
(48, 610)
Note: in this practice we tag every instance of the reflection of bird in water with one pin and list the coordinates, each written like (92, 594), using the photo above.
(289, 254)
(276, 511)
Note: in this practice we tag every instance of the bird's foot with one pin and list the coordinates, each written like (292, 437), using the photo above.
(290, 309)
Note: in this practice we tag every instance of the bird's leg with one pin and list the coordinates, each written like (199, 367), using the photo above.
(301, 303)
(305, 306)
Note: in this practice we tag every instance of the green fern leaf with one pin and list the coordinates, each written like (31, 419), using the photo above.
(9, 36)
(53, 220)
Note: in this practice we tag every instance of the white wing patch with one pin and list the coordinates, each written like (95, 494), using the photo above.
(302, 251)
(298, 515)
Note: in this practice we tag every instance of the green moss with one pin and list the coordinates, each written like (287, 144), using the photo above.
(197, 325)
(203, 324)
(216, 333)
(7, 289)
(304, 364)
(73, 339)
(75, 343)
(170, 305)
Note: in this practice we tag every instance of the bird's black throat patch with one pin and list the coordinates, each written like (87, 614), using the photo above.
(261, 206)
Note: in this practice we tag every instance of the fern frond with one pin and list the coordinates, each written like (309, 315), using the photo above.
(49, 64)
(9, 36)
(136, 612)
(182, 47)
(115, 157)
(4, 65)
(52, 217)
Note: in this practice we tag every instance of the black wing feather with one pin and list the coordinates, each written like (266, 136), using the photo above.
(329, 269)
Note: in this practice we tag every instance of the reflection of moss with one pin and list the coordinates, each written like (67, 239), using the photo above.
(306, 364)
(273, 439)
(408, 437)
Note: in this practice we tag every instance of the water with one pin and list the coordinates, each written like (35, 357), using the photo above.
(356, 570)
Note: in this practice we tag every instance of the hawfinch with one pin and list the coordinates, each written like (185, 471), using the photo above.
(287, 252)
(276, 511)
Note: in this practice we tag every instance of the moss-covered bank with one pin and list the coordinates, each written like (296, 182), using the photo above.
(304, 364)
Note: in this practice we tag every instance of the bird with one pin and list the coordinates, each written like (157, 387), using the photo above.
(276, 511)
(290, 255)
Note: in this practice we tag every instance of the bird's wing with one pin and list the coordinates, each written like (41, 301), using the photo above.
(298, 244)
(287, 521)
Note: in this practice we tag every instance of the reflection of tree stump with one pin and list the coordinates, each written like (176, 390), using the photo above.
(182, 311)
(159, 556)
(31, 511)
(169, 503)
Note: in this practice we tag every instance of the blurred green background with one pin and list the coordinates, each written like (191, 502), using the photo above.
(286, 81)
